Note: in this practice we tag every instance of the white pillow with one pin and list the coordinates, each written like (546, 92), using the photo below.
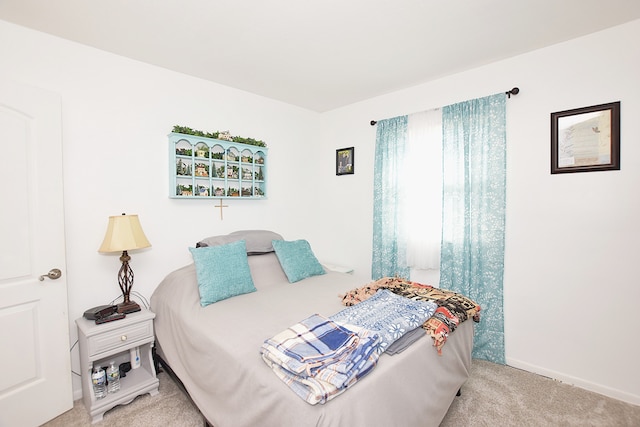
(257, 241)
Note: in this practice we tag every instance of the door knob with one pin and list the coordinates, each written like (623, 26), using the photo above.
(53, 274)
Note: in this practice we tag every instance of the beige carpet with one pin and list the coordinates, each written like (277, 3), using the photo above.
(494, 395)
(497, 395)
(169, 408)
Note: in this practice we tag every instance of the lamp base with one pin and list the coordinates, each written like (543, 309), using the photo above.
(128, 307)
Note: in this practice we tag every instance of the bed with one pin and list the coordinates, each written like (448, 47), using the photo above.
(214, 350)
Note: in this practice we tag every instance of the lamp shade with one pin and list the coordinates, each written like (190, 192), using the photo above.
(124, 233)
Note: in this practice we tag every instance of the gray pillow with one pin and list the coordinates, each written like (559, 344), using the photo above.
(257, 241)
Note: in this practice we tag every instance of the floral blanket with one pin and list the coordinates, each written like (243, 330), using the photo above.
(388, 315)
(453, 308)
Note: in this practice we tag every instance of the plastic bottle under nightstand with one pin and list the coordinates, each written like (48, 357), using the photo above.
(113, 377)
(99, 381)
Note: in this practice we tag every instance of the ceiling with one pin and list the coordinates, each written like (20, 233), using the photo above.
(319, 55)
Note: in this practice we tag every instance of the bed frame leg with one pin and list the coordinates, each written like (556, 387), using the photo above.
(459, 392)
(156, 360)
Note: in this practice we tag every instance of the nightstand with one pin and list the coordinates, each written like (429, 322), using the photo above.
(100, 344)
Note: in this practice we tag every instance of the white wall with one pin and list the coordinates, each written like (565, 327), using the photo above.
(116, 117)
(570, 238)
(571, 284)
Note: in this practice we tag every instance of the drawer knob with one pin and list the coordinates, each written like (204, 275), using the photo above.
(123, 338)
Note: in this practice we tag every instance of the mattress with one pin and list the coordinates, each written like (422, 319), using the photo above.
(214, 351)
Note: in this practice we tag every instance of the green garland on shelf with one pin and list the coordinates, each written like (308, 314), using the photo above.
(241, 140)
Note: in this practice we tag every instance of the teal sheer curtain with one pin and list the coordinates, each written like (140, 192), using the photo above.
(389, 252)
(473, 221)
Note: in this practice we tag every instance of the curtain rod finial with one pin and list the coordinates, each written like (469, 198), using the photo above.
(513, 91)
(373, 122)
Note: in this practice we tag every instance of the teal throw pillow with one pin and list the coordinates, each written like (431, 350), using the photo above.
(222, 271)
(297, 259)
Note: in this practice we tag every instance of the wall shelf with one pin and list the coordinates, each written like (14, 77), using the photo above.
(207, 168)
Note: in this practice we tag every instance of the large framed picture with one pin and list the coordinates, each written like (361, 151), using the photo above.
(344, 161)
(586, 139)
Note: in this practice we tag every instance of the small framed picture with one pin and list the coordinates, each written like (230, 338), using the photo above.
(586, 139)
(344, 161)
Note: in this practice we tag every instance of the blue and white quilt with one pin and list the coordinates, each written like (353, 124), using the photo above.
(388, 315)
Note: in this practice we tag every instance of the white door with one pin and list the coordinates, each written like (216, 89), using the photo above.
(35, 366)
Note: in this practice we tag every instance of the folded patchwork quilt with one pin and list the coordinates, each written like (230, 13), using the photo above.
(319, 359)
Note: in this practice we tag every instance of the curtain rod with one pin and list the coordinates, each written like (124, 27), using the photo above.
(513, 91)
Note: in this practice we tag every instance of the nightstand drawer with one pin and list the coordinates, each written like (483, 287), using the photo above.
(119, 337)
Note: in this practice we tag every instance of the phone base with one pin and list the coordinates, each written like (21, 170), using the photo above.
(110, 318)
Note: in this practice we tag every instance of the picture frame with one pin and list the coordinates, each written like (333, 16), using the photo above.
(586, 139)
(345, 161)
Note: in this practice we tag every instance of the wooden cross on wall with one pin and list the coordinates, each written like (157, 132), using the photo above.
(221, 206)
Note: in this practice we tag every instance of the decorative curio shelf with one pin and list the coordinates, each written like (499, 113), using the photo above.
(202, 168)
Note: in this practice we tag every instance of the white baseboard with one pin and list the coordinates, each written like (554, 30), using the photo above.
(578, 382)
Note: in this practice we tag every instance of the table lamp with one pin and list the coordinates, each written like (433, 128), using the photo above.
(124, 233)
